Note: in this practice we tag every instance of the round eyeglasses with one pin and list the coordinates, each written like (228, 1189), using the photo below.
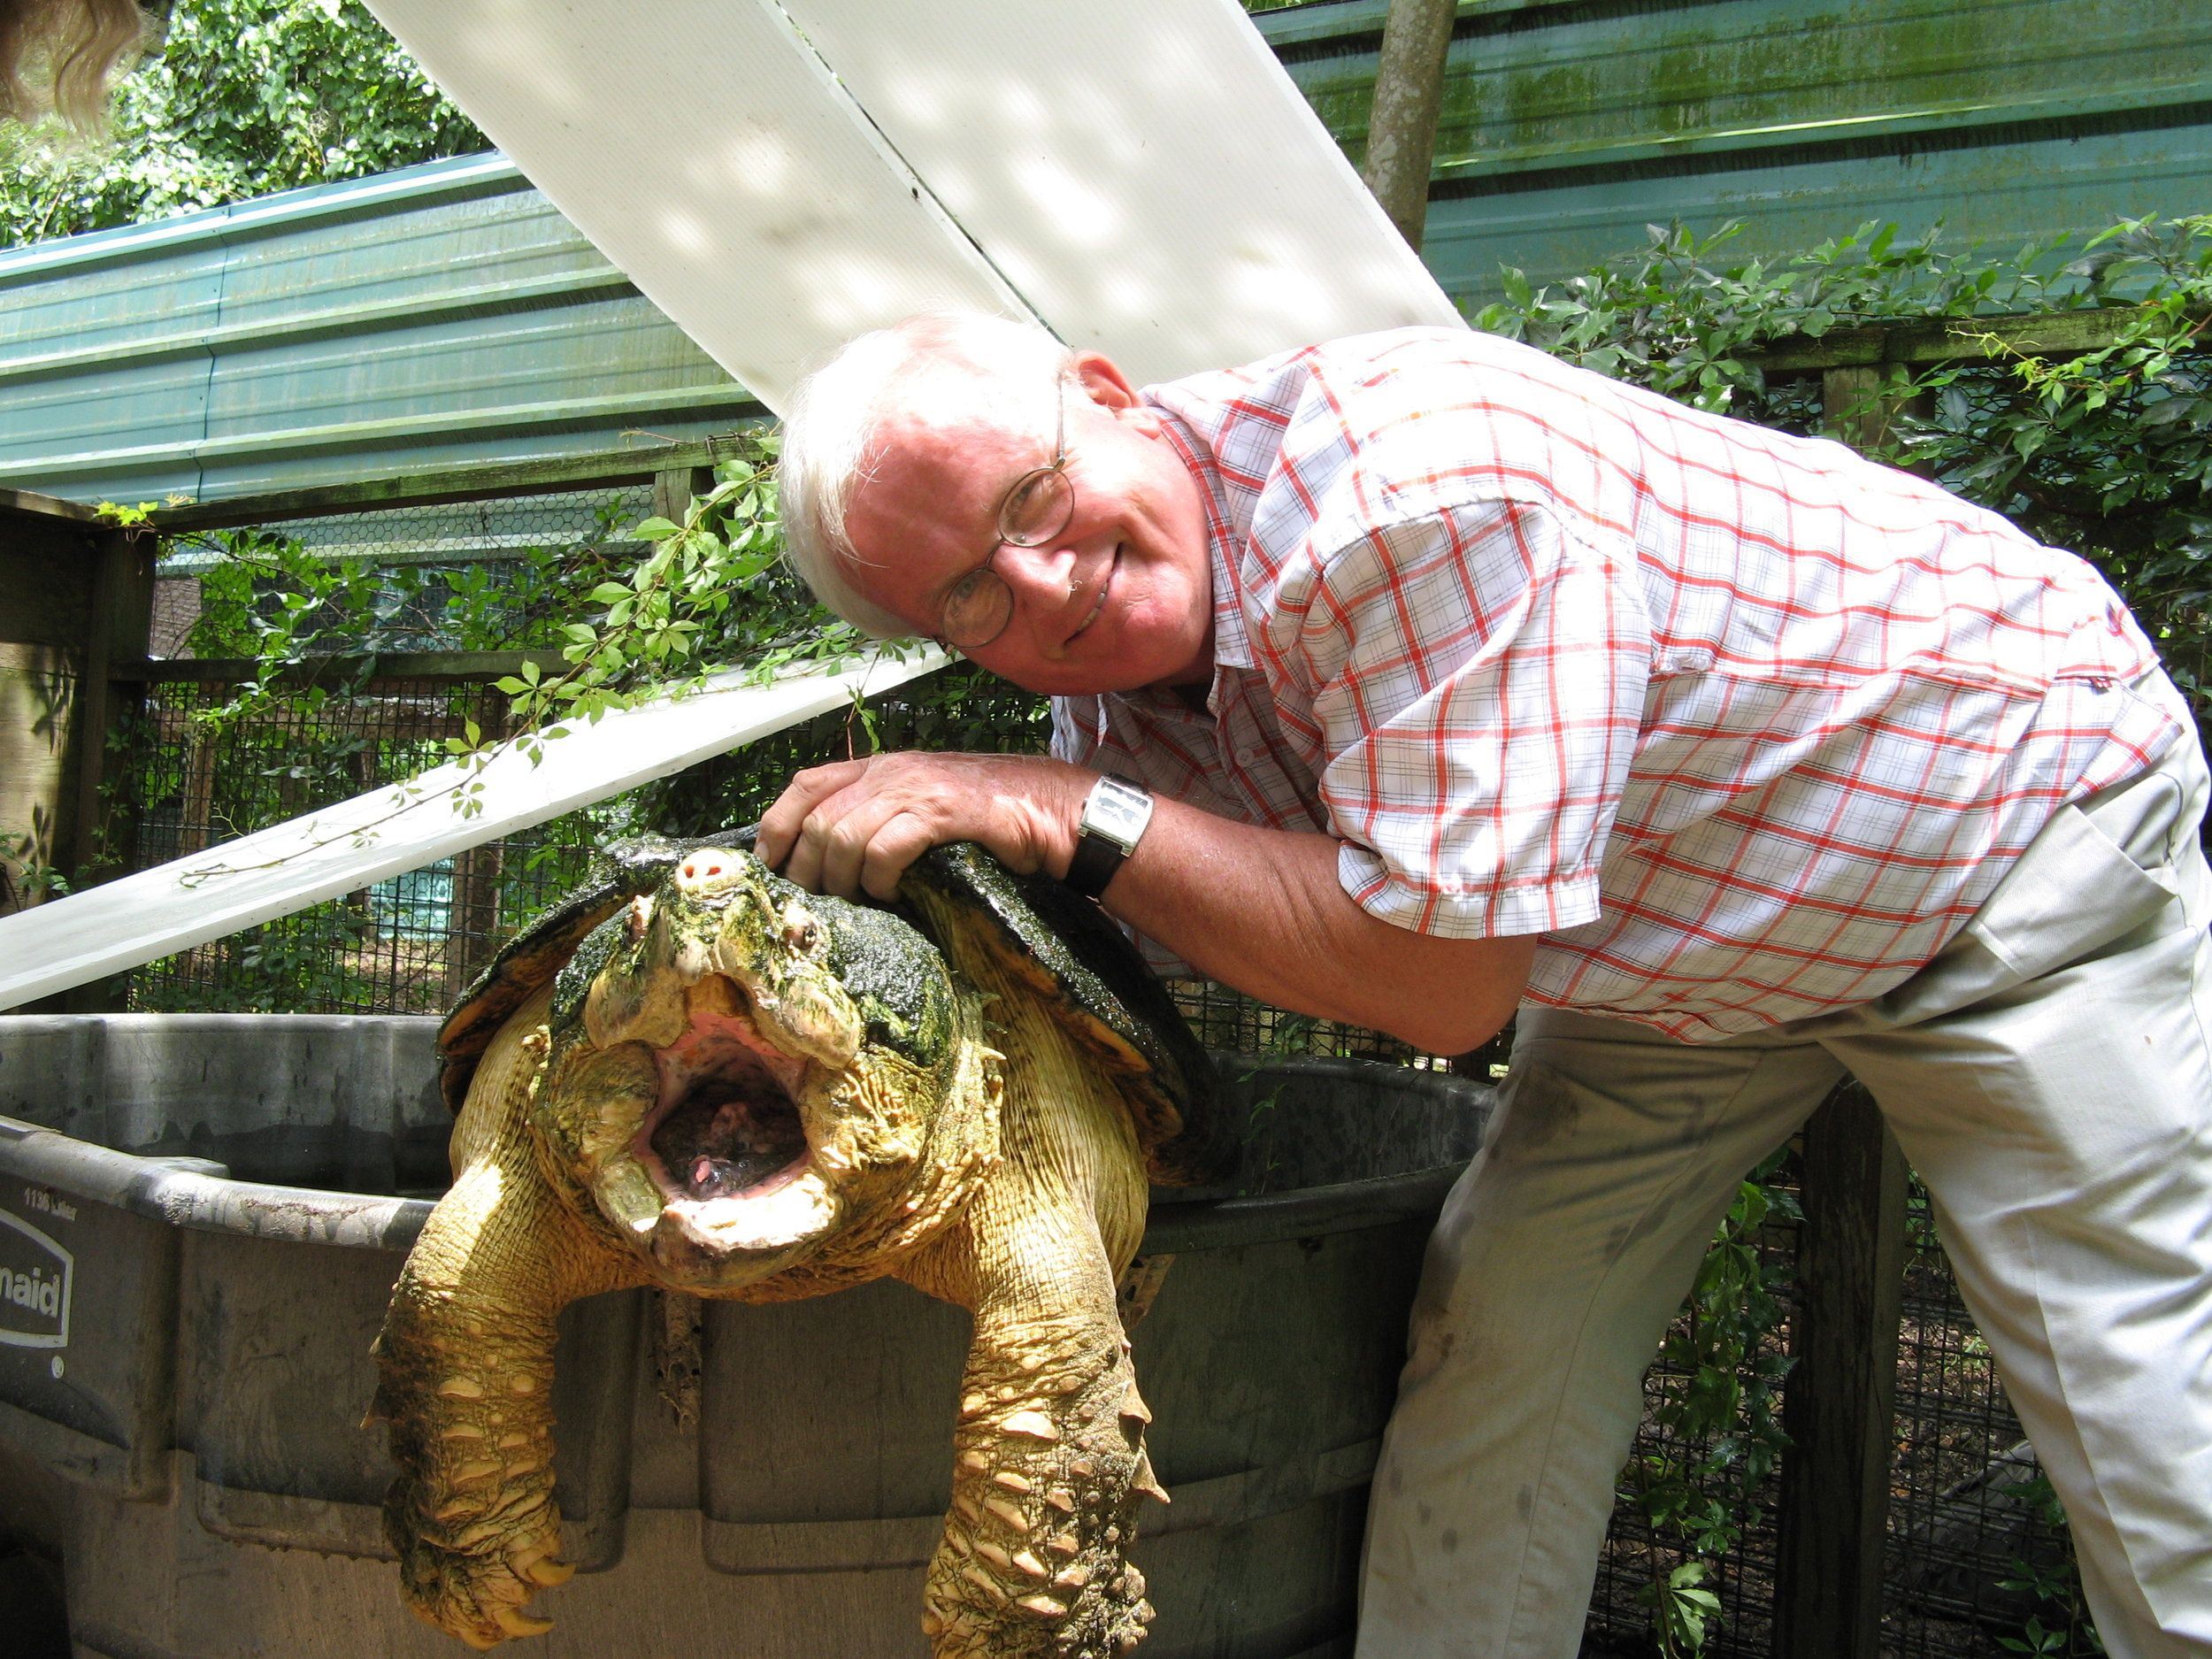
(1039, 506)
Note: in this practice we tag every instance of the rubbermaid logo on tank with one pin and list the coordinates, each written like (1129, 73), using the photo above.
(35, 1276)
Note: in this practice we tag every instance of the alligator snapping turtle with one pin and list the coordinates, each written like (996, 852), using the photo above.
(698, 1076)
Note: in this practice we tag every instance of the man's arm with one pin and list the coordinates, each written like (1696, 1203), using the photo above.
(1257, 909)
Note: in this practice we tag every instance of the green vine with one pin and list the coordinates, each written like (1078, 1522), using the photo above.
(711, 592)
(630, 610)
(706, 592)
(1715, 1401)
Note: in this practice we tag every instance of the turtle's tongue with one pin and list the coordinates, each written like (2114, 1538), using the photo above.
(730, 1133)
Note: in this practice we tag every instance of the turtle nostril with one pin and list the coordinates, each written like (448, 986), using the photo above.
(703, 869)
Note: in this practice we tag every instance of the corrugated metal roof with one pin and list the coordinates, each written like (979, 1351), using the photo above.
(446, 314)
(438, 316)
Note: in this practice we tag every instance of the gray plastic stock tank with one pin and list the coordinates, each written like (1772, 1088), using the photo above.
(200, 1217)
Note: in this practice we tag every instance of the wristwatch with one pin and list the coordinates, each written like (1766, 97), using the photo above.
(1114, 816)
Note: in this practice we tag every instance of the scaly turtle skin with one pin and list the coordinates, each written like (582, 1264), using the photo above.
(697, 1076)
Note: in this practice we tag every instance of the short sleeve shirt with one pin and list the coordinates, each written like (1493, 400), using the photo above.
(1743, 726)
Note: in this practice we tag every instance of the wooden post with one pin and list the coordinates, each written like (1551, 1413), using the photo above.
(1401, 124)
(674, 490)
(117, 629)
(1851, 399)
(1839, 1407)
(93, 714)
(1858, 409)
(198, 828)
(119, 624)
(473, 916)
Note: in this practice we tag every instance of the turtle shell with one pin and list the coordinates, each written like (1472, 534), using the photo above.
(1083, 967)
(528, 961)
(1087, 970)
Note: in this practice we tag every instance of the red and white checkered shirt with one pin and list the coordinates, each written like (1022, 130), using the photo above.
(1745, 726)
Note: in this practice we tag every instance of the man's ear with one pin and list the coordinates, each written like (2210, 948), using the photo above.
(1110, 390)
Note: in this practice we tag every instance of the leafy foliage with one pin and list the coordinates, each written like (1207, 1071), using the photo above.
(707, 591)
(2107, 452)
(245, 97)
(1715, 1403)
(2060, 1627)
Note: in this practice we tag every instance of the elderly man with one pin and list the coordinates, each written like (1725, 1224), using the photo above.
(1444, 679)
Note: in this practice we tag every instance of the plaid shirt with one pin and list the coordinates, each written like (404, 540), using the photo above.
(1743, 726)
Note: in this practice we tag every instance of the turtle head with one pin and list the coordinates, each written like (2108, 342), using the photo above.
(745, 1077)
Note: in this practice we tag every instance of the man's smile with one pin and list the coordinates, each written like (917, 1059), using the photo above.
(1098, 603)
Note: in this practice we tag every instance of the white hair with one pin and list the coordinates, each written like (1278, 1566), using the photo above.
(957, 363)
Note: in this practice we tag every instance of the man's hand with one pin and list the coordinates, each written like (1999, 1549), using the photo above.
(856, 826)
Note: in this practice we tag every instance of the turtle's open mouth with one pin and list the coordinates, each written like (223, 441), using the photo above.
(730, 1131)
(727, 1124)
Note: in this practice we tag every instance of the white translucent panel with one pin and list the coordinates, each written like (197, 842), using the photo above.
(1141, 175)
(356, 843)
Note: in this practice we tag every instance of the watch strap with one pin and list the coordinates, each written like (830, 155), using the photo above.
(1115, 816)
(1095, 861)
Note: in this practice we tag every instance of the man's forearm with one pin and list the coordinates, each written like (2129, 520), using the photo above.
(1257, 909)
(1261, 909)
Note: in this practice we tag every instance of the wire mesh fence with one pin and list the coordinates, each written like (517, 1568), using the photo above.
(1640, 1556)
(1977, 1545)
(447, 576)
(1977, 1562)
(1976, 1552)
(405, 945)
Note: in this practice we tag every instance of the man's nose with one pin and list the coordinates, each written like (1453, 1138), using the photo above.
(1042, 575)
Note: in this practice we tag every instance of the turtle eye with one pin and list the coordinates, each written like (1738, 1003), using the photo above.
(800, 930)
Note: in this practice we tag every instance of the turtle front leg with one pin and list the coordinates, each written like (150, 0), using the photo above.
(1049, 1451)
(466, 1375)
(1048, 1466)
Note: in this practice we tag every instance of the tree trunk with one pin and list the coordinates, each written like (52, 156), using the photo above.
(1401, 129)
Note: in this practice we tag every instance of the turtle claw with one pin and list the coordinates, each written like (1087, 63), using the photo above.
(515, 1622)
(537, 1563)
(466, 1580)
(546, 1572)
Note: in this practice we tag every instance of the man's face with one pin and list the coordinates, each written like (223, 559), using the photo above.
(1120, 598)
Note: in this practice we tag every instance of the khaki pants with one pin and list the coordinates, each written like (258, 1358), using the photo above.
(2047, 1075)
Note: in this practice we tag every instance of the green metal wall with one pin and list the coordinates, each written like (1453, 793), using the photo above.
(1568, 127)
(446, 314)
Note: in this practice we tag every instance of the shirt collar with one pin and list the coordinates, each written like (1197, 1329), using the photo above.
(1232, 646)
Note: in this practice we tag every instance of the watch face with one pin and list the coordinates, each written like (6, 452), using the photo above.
(1116, 812)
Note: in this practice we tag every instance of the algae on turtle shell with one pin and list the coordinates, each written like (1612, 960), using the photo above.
(697, 1076)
